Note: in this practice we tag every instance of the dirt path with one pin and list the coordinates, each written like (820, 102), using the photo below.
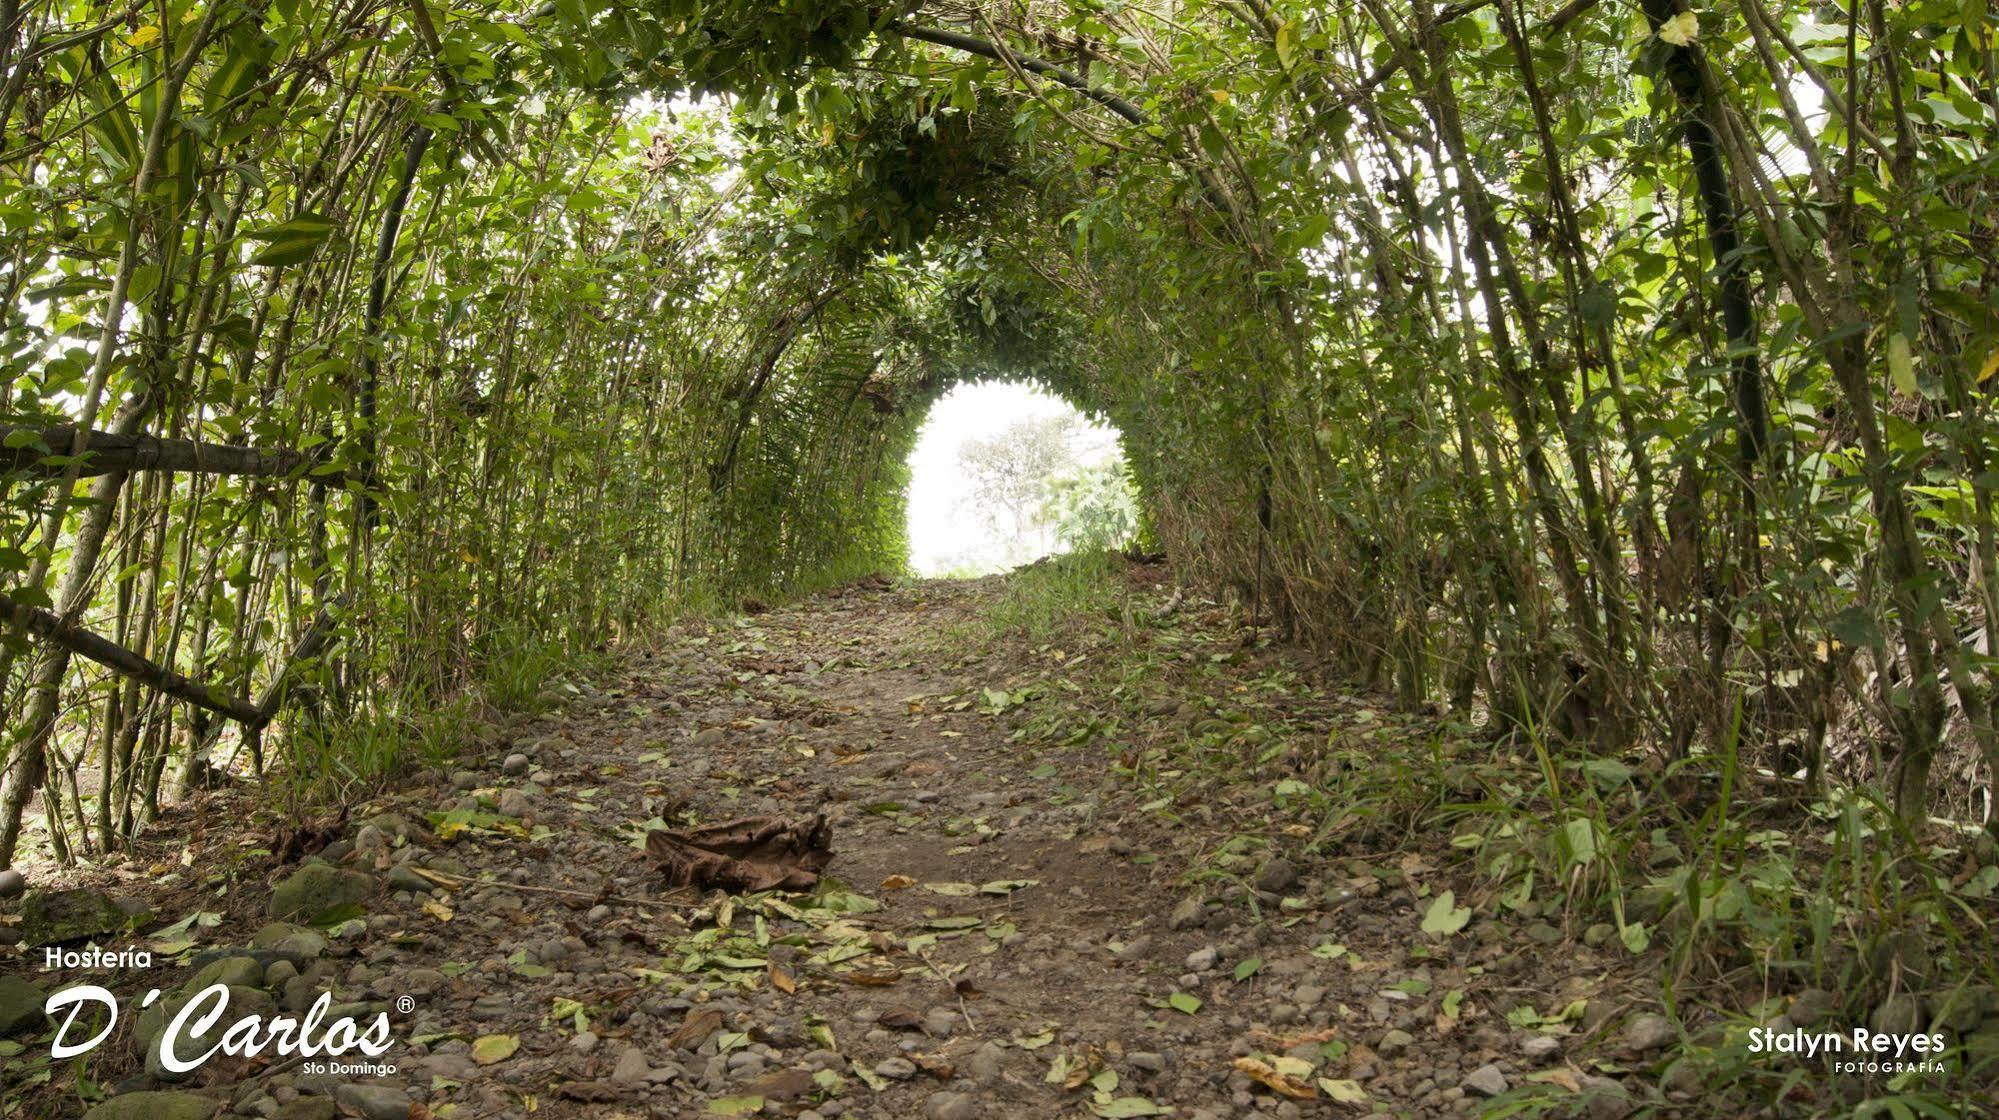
(1009, 931)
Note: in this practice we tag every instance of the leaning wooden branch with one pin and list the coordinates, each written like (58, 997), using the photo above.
(1054, 73)
(47, 626)
(110, 451)
(50, 628)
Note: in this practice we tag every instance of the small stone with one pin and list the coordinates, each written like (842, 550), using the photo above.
(1810, 1007)
(584, 1042)
(465, 781)
(1962, 1009)
(1540, 1047)
(707, 740)
(1485, 1081)
(376, 1102)
(896, 1069)
(492, 1007)
(1201, 960)
(516, 765)
(403, 877)
(1277, 874)
(1147, 1061)
(318, 889)
(985, 1063)
(1190, 912)
(53, 917)
(20, 1006)
(1136, 948)
(514, 803)
(598, 913)
(1395, 1042)
(1901, 1013)
(632, 1067)
(1648, 1032)
(288, 940)
(12, 883)
(952, 1106)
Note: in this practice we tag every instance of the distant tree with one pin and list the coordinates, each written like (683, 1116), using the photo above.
(1010, 472)
(1093, 507)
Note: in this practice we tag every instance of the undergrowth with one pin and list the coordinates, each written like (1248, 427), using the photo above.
(1749, 903)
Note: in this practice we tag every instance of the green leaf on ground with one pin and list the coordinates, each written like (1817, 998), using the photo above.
(1445, 916)
(492, 1049)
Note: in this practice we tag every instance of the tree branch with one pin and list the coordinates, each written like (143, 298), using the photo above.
(110, 452)
(1049, 70)
(83, 643)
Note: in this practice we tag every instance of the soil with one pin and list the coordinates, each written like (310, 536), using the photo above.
(1009, 927)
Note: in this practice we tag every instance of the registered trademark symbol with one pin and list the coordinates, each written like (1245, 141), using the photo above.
(405, 1004)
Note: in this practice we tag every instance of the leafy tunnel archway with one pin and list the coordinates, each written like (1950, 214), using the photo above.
(358, 352)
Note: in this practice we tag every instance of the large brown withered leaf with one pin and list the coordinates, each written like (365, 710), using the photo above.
(695, 1030)
(751, 854)
(783, 1085)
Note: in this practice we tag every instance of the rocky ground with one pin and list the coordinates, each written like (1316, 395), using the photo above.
(1017, 922)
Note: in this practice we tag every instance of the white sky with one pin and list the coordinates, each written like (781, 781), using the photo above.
(946, 528)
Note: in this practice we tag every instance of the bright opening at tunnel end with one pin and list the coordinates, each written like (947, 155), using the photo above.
(1004, 473)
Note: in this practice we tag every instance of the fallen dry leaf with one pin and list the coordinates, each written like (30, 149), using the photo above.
(783, 1085)
(752, 854)
(695, 1029)
(1278, 1082)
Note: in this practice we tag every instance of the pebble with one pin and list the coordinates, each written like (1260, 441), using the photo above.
(1648, 1032)
(632, 1067)
(986, 1062)
(1486, 1081)
(1147, 1060)
(584, 1042)
(12, 883)
(376, 1102)
(1201, 960)
(492, 1007)
(1276, 874)
(1810, 1007)
(516, 765)
(1187, 914)
(896, 1069)
(514, 803)
(952, 1106)
(1540, 1047)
